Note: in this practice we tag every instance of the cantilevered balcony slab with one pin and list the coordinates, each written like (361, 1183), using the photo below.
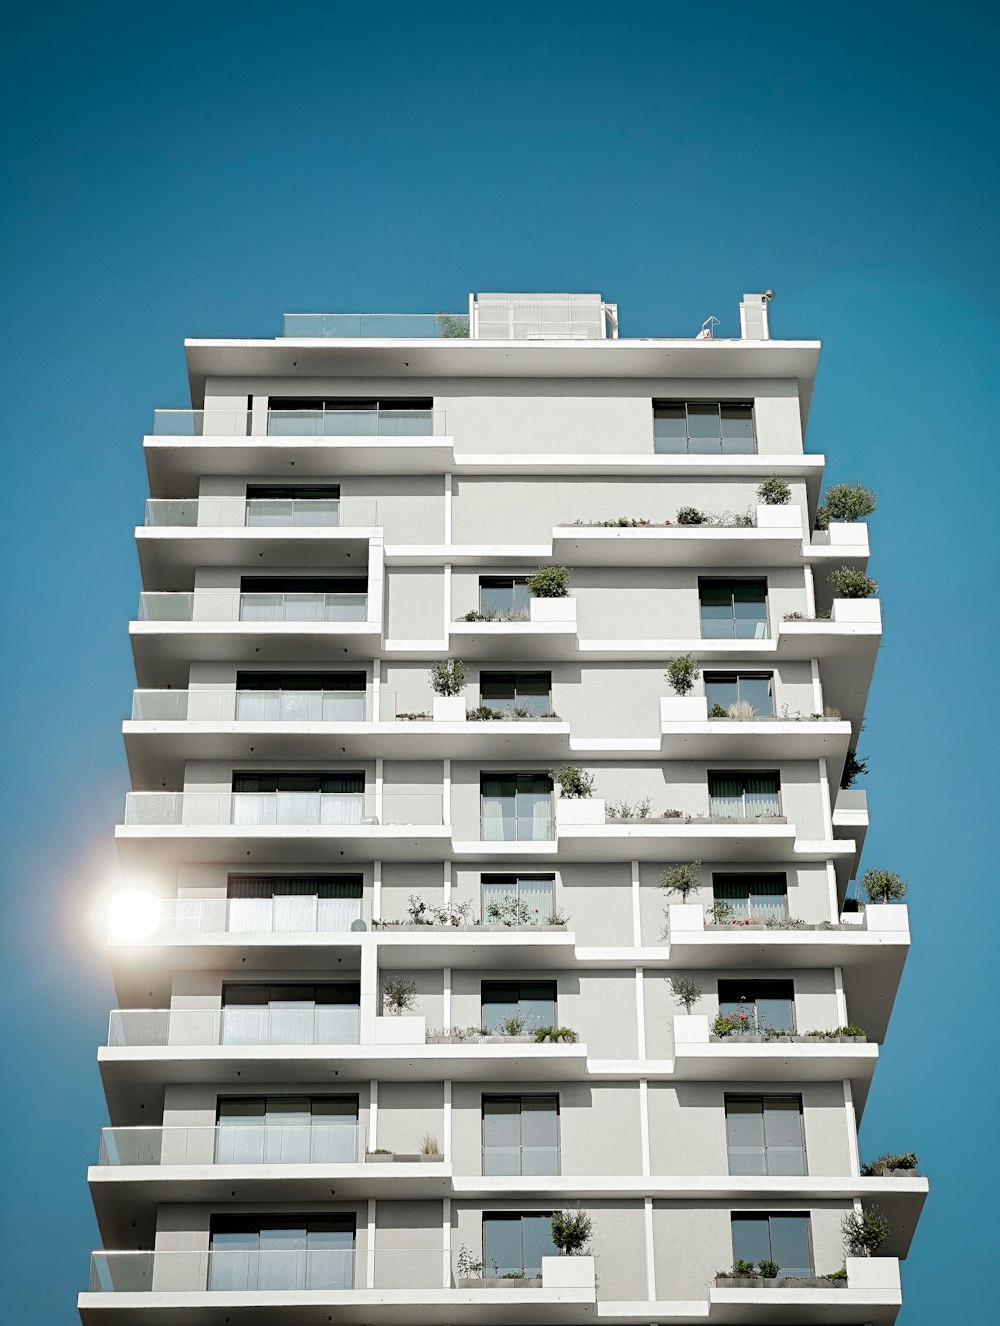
(850, 819)
(170, 555)
(763, 738)
(284, 843)
(550, 640)
(776, 540)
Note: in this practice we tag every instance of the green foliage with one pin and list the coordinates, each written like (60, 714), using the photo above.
(557, 917)
(850, 584)
(448, 676)
(853, 768)
(882, 1164)
(734, 1024)
(455, 325)
(549, 582)
(690, 515)
(509, 910)
(743, 1269)
(468, 1266)
(721, 912)
(573, 781)
(682, 673)
(837, 1275)
(864, 1234)
(398, 994)
(624, 810)
(571, 1231)
(768, 1270)
(883, 886)
(686, 991)
(555, 1034)
(774, 491)
(512, 1026)
(845, 501)
(717, 711)
(484, 714)
(680, 879)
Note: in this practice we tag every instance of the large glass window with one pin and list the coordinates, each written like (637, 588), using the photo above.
(291, 1014)
(744, 796)
(733, 609)
(281, 1252)
(520, 1134)
(533, 894)
(767, 1005)
(303, 598)
(515, 807)
(298, 798)
(756, 898)
(703, 427)
(283, 505)
(724, 689)
(765, 1135)
(780, 1238)
(300, 697)
(304, 904)
(350, 416)
(532, 1003)
(504, 596)
(511, 691)
(287, 1130)
(515, 1244)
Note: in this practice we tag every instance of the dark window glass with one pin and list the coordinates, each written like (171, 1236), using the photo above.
(744, 796)
(515, 807)
(506, 596)
(765, 1135)
(733, 609)
(534, 1002)
(509, 691)
(768, 1005)
(285, 492)
(780, 1238)
(300, 681)
(520, 1134)
(303, 585)
(756, 898)
(515, 1244)
(753, 688)
(343, 783)
(534, 891)
(287, 886)
(703, 427)
(281, 1253)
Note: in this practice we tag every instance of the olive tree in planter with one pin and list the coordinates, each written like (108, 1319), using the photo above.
(577, 803)
(448, 680)
(774, 491)
(682, 673)
(398, 995)
(847, 583)
(686, 991)
(550, 601)
(571, 1231)
(883, 886)
(845, 501)
(864, 1234)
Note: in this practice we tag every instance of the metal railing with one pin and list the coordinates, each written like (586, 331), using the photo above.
(261, 513)
(324, 1024)
(336, 810)
(226, 422)
(303, 914)
(390, 326)
(339, 1142)
(221, 704)
(230, 605)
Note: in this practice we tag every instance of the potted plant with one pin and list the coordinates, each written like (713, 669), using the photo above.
(429, 1149)
(571, 1231)
(890, 1166)
(682, 706)
(864, 1233)
(448, 680)
(577, 803)
(883, 886)
(550, 601)
(398, 995)
(845, 501)
(773, 491)
(848, 583)
(686, 992)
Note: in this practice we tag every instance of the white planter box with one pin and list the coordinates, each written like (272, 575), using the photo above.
(552, 610)
(887, 917)
(580, 810)
(866, 612)
(683, 709)
(448, 709)
(684, 917)
(568, 1273)
(403, 1030)
(872, 1273)
(848, 534)
(690, 1029)
(780, 517)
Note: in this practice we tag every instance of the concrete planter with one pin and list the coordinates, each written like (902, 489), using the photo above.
(403, 1030)
(857, 612)
(448, 709)
(779, 1282)
(552, 611)
(787, 518)
(580, 810)
(683, 709)
(505, 1282)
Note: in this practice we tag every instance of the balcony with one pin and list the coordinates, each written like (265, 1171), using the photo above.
(384, 326)
(225, 422)
(870, 1293)
(260, 513)
(304, 826)
(230, 605)
(549, 632)
(687, 733)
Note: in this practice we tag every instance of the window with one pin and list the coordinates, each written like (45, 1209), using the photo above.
(777, 1238)
(298, 798)
(504, 596)
(350, 416)
(531, 1002)
(286, 1130)
(281, 1252)
(292, 1014)
(764, 1135)
(302, 904)
(703, 427)
(282, 505)
(515, 807)
(520, 1134)
(509, 691)
(729, 688)
(303, 598)
(755, 898)
(515, 1244)
(733, 609)
(534, 891)
(767, 1005)
(743, 796)
(300, 697)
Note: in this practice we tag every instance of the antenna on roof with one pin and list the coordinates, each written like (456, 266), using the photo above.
(708, 329)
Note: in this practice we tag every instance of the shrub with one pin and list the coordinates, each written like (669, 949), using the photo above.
(774, 492)
(557, 917)
(398, 994)
(768, 1270)
(853, 767)
(883, 886)
(837, 1275)
(690, 515)
(681, 879)
(485, 714)
(549, 582)
(908, 1160)
(864, 1234)
(624, 810)
(850, 584)
(513, 1026)
(682, 673)
(555, 1034)
(571, 1231)
(734, 1024)
(429, 1145)
(448, 676)
(741, 709)
(686, 991)
(721, 912)
(743, 1269)
(845, 501)
(717, 711)
(468, 1266)
(453, 324)
(509, 910)
(573, 781)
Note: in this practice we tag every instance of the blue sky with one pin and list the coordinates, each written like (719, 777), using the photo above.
(193, 169)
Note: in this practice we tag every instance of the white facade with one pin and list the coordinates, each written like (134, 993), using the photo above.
(344, 507)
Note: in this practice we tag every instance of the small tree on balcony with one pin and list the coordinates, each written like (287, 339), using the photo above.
(398, 995)
(681, 879)
(573, 781)
(686, 991)
(549, 582)
(853, 768)
(448, 676)
(850, 584)
(845, 501)
(883, 886)
(864, 1234)
(682, 673)
(571, 1231)
(774, 491)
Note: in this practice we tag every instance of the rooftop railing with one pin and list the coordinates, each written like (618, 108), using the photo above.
(390, 326)
(224, 422)
(230, 605)
(221, 704)
(262, 513)
(336, 810)
(332, 1140)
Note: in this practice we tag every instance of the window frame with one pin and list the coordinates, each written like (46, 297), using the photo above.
(518, 984)
(732, 581)
(510, 1217)
(497, 702)
(743, 776)
(735, 1097)
(665, 403)
(499, 582)
(738, 1217)
(734, 878)
(719, 677)
(521, 1097)
(753, 982)
(501, 878)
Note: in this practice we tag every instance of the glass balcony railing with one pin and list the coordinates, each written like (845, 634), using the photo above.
(781, 1160)
(517, 828)
(389, 326)
(264, 1269)
(521, 1160)
(261, 513)
(322, 1024)
(226, 422)
(339, 1142)
(336, 810)
(220, 704)
(229, 605)
(285, 913)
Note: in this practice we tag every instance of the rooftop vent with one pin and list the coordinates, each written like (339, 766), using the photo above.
(753, 316)
(544, 317)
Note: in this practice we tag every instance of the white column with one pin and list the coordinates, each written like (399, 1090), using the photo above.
(644, 1125)
(810, 592)
(446, 791)
(824, 791)
(446, 999)
(636, 911)
(838, 985)
(852, 1128)
(447, 1121)
(376, 890)
(640, 1014)
(817, 686)
(647, 1215)
(369, 989)
(378, 789)
(370, 1276)
(446, 1243)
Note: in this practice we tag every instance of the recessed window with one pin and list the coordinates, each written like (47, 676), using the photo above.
(766, 1005)
(515, 807)
(520, 1134)
(303, 598)
(754, 898)
(293, 1014)
(515, 1244)
(532, 1004)
(781, 1238)
(350, 416)
(765, 1135)
(303, 904)
(723, 690)
(703, 428)
(298, 798)
(287, 1130)
(300, 697)
(281, 1252)
(533, 897)
(744, 796)
(504, 597)
(284, 505)
(733, 609)
(511, 692)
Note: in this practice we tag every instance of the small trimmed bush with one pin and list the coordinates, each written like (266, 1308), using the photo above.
(690, 515)
(864, 1234)
(573, 781)
(850, 584)
(448, 676)
(682, 673)
(774, 492)
(768, 1270)
(883, 886)
(845, 501)
(549, 582)
(509, 910)
(398, 994)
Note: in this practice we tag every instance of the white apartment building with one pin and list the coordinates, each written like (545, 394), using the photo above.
(389, 994)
